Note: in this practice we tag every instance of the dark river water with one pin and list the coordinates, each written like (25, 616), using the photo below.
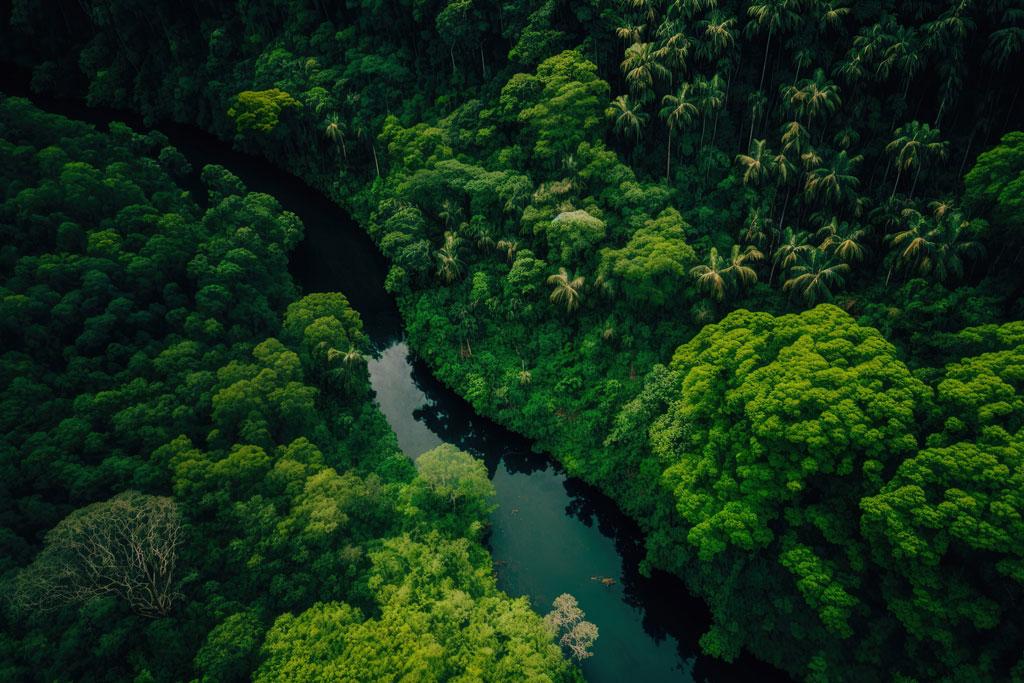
(551, 534)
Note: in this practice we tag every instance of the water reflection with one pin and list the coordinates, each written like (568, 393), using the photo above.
(551, 534)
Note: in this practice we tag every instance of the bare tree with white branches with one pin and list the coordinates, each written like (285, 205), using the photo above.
(126, 546)
(567, 618)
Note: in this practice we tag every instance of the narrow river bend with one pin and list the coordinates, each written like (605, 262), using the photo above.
(551, 533)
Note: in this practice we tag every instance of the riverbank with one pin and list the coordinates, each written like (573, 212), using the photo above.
(551, 534)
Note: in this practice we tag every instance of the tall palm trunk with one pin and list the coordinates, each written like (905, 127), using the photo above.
(668, 156)
(913, 185)
(899, 172)
(764, 62)
(753, 120)
(760, 86)
(782, 218)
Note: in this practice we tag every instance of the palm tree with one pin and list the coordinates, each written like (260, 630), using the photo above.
(846, 137)
(814, 276)
(1004, 45)
(869, 43)
(347, 357)
(715, 100)
(940, 207)
(835, 181)
(756, 164)
(794, 244)
(758, 107)
(783, 168)
(776, 15)
(811, 159)
(843, 240)
(484, 237)
(852, 68)
(832, 13)
(710, 98)
(755, 228)
(934, 245)
(451, 212)
(711, 275)
(802, 58)
(525, 376)
(952, 242)
(674, 50)
(718, 34)
(946, 35)
(646, 7)
(794, 137)
(510, 247)
(914, 143)
(449, 265)
(335, 132)
(690, 8)
(738, 269)
(352, 356)
(628, 116)
(567, 291)
(901, 56)
(363, 131)
(641, 67)
(678, 110)
(813, 96)
(631, 33)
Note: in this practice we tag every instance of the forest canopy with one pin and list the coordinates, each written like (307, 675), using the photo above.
(752, 267)
(194, 473)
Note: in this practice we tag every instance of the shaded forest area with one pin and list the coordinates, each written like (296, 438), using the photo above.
(195, 480)
(582, 204)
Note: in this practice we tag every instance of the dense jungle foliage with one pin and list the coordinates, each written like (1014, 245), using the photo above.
(583, 201)
(195, 481)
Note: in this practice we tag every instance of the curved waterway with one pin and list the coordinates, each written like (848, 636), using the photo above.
(551, 534)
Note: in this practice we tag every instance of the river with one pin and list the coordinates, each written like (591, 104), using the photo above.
(551, 534)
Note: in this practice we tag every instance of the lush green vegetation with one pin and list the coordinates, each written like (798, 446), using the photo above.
(581, 201)
(195, 481)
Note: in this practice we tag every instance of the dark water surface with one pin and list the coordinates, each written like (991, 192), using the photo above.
(552, 534)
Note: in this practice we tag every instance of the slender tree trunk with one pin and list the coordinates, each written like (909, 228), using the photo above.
(899, 172)
(785, 204)
(376, 164)
(668, 157)
(764, 62)
(992, 265)
(942, 107)
(885, 176)
(753, 120)
(764, 68)
(913, 185)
